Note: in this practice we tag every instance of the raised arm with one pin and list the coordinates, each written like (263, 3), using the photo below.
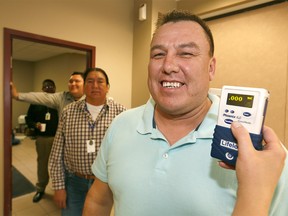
(53, 100)
(257, 172)
(99, 200)
(14, 92)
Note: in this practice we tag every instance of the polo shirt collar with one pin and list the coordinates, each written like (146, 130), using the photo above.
(69, 97)
(205, 130)
(146, 123)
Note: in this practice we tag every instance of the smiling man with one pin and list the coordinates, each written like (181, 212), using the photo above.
(56, 100)
(155, 159)
(80, 131)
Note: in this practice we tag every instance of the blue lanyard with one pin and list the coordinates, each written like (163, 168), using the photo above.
(91, 125)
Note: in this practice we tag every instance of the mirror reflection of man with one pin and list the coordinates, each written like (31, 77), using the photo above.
(56, 100)
(43, 120)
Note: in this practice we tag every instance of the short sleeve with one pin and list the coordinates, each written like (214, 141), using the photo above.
(99, 166)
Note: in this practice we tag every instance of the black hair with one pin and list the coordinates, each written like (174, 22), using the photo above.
(78, 73)
(48, 81)
(181, 15)
(97, 69)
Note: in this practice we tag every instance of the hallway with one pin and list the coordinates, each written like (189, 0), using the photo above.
(24, 159)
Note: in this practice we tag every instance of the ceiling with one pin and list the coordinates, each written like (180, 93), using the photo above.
(211, 8)
(32, 51)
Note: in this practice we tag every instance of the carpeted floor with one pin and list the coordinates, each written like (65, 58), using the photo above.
(20, 184)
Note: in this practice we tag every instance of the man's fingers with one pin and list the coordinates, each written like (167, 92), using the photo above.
(226, 166)
(242, 136)
(269, 136)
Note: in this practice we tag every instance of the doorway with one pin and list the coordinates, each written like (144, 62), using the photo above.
(9, 36)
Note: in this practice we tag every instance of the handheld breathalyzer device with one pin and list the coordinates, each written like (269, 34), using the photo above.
(245, 105)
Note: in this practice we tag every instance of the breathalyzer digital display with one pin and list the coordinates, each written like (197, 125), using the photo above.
(245, 105)
(240, 100)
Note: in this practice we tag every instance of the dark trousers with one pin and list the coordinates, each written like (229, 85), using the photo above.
(43, 149)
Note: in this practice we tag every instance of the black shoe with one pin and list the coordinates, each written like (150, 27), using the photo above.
(38, 196)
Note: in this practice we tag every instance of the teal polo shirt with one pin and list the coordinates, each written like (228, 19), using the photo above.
(148, 177)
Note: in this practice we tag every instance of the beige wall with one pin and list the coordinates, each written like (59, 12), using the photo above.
(105, 24)
(109, 30)
(142, 35)
(58, 68)
(252, 50)
(24, 71)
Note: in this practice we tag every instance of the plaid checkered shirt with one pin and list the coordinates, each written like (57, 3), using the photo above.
(76, 127)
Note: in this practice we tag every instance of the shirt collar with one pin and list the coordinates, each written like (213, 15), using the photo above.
(82, 104)
(146, 123)
(205, 130)
(70, 97)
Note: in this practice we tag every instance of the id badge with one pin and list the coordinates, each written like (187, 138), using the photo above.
(91, 146)
(47, 116)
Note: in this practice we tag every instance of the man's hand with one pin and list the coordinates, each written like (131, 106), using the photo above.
(14, 92)
(258, 172)
(60, 198)
(258, 167)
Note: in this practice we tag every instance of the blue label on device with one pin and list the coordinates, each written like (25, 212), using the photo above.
(224, 144)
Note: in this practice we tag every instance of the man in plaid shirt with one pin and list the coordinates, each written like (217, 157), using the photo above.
(80, 131)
